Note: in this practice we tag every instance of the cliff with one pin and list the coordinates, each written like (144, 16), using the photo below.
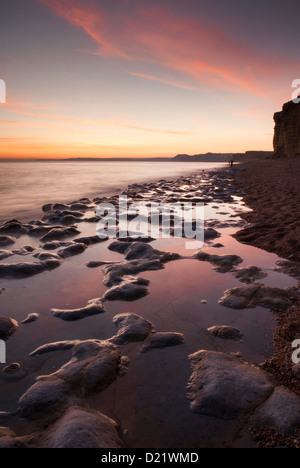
(287, 131)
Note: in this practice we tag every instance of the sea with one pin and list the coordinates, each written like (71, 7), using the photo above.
(28, 185)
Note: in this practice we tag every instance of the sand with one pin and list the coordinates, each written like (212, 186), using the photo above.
(272, 191)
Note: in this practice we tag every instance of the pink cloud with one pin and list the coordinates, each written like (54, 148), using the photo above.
(154, 35)
(104, 123)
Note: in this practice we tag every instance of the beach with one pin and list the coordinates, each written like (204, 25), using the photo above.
(143, 342)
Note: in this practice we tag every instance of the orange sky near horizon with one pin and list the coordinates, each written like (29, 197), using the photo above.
(132, 79)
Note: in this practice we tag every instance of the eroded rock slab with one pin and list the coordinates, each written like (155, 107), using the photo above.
(257, 294)
(130, 289)
(25, 270)
(250, 274)
(83, 428)
(7, 240)
(51, 347)
(131, 328)
(224, 387)
(222, 263)
(226, 333)
(280, 412)
(94, 307)
(162, 340)
(93, 367)
(289, 268)
(45, 398)
(7, 327)
(59, 234)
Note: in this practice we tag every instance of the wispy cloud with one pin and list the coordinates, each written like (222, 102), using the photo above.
(103, 123)
(156, 35)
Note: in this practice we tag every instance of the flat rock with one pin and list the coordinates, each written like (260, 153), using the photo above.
(280, 412)
(30, 318)
(141, 250)
(7, 240)
(13, 227)
(83, 428)
(226, 333)
(222, 263)
(45, 398)
(8, 439)
(93, 367)
(72, 250)
(289, 268)
(7, 327)
(224, 387)
(162, 340)
(131, 328)
(51, 347)
(59, 234)
(94, 307)
(25, 270)
(130, 289)
(115, 272)
(250, 274)
(11, 368)
(257, 294)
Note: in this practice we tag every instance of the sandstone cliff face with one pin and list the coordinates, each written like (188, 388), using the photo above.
(287, 131)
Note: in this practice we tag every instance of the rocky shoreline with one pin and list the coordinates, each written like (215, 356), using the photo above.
(93, 396)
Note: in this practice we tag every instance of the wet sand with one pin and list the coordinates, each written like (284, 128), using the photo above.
(122, 332)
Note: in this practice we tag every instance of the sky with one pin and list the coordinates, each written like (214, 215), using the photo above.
(141, 78)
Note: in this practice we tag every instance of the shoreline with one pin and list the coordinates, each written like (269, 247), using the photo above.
(173, 350)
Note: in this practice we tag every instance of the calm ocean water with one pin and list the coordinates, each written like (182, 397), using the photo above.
(26, 186)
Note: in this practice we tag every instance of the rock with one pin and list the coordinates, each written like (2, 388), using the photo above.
(30, 318)
(47, 208)
(115, 272)
(8, 439)
(7, 327)
(84, 428)
(7, 240)
(46, 398)
(55, 245)
(93, 367)
(227, 333)
(287, 131)
(72, 250)
(91, 240)
(210, 234)
(289, 268)
(51, 347)
(249, 274)
(94, 307)
(131, 328)
(11, 368)
(296, 371)
(222, 386)
(222, 263)
(130, 289)
(59, 234)
(162, 340)
(141, 250)
(43, 256)
(25, 270)
(5, 254)
(280, 412)
(257, 294)
(13, 227)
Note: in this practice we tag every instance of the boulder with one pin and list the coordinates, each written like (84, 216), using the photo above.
(225, 387)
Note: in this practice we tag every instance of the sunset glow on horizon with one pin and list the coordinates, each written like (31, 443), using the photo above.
(133, 78)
